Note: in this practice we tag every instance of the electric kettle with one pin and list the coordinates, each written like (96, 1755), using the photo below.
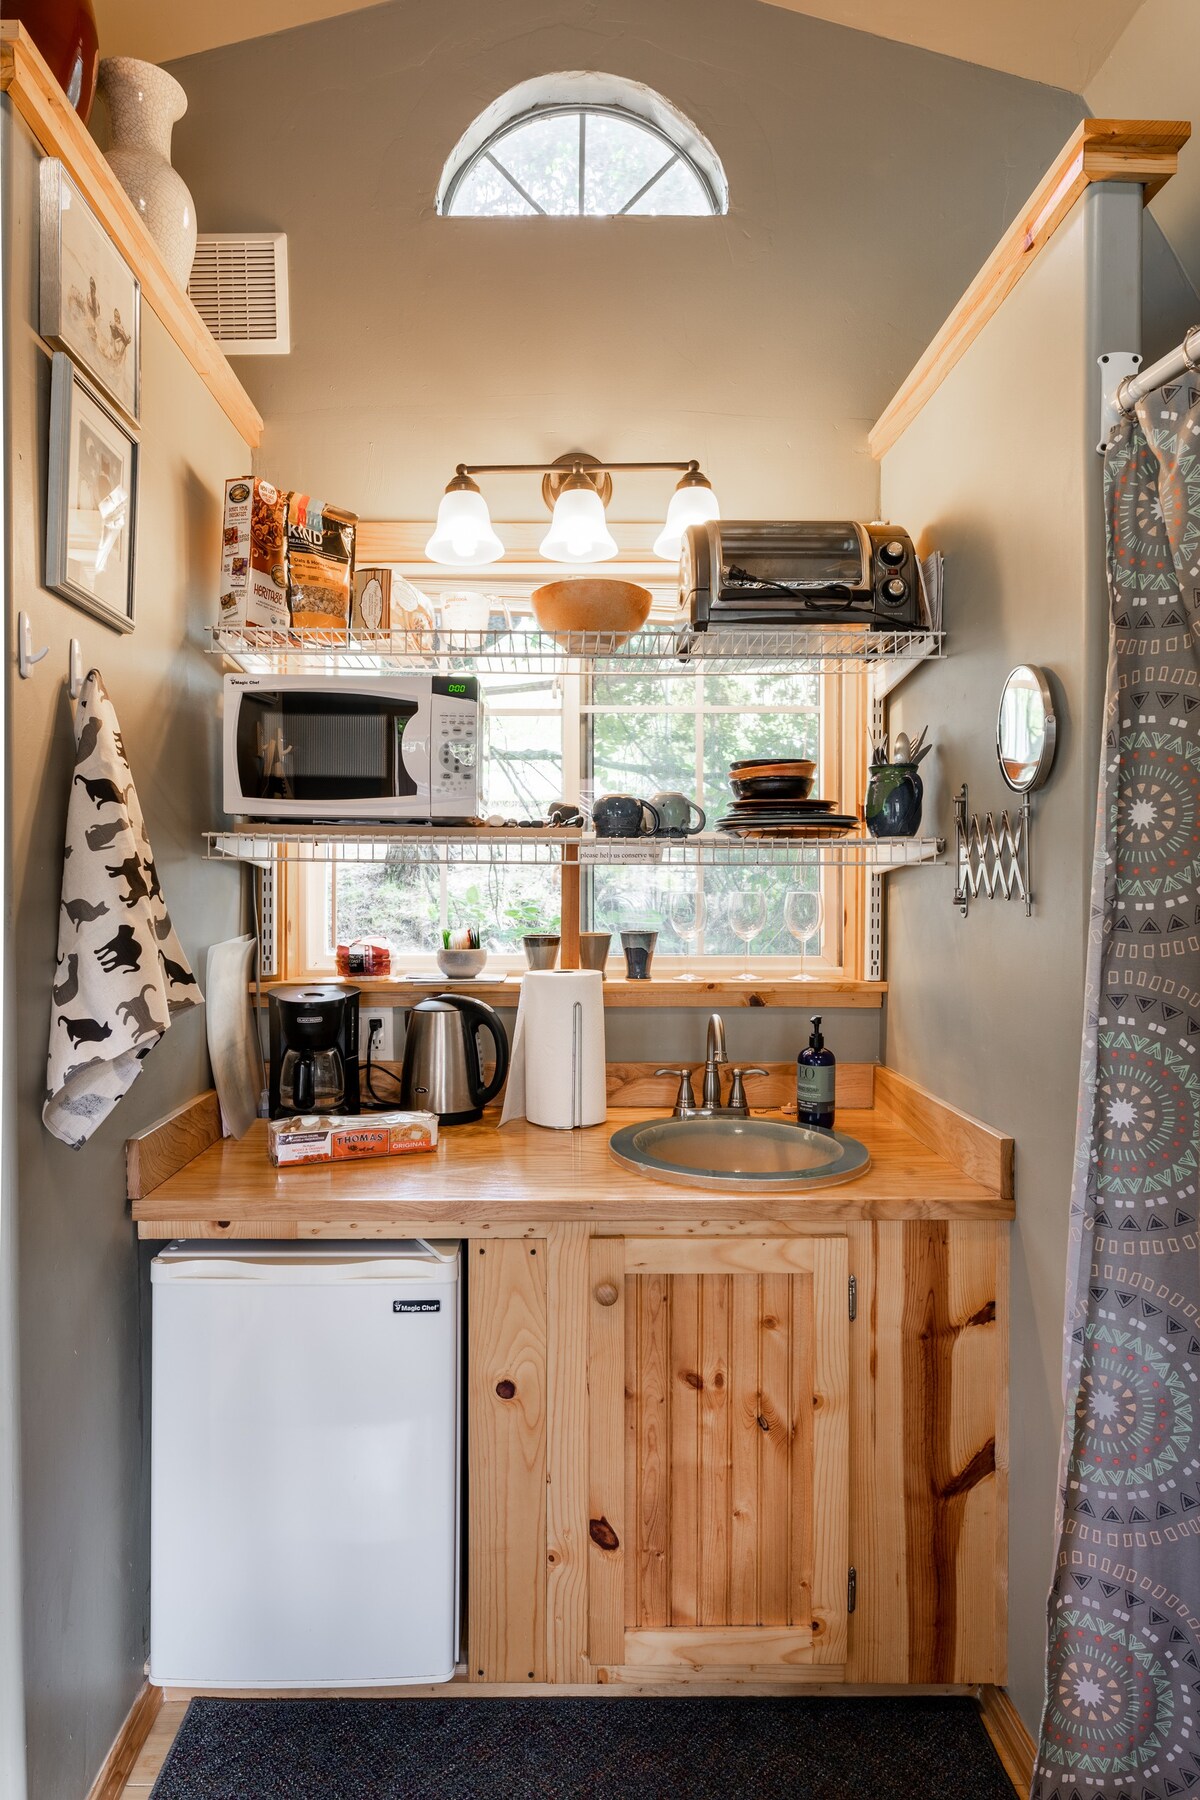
(442, 1071)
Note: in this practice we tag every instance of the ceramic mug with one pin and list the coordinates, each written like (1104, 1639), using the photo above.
(639, 953)
(623, 815)
(593, 949)
(541, 949)
(675, 812)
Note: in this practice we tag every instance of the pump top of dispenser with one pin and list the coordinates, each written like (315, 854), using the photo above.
(816, 1041)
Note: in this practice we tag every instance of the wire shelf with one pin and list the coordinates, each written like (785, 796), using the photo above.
(658, 650)
(399, 844)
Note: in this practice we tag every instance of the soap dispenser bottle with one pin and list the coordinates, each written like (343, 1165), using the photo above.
(815, 1074)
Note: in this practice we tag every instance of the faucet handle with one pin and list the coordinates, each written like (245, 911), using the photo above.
(685, 1100)
(737, 1093)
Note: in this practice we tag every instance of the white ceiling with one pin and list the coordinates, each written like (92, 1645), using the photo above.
(1062, 42)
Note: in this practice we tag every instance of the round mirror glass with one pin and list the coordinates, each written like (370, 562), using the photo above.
(1025, 729)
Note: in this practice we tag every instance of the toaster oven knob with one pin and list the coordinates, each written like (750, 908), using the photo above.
(893, 552)
(894, 590)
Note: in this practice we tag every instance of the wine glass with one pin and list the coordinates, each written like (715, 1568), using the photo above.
(687, 910)
(747, 916)
(803, 914)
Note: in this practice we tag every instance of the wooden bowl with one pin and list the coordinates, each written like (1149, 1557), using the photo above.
(590, 604)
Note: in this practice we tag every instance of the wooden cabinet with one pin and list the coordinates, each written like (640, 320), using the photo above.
(719, 1453)
(681, 1447)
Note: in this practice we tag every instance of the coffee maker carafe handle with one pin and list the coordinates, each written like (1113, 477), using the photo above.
(303, 1085)
(480, 1016)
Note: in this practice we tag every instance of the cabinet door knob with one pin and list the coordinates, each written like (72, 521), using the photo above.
(608, 1293)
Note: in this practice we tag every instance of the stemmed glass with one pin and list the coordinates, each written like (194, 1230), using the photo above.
(803, 914)
(747, 916)
(687, 911)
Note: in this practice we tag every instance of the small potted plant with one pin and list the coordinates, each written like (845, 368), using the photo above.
(460, 957)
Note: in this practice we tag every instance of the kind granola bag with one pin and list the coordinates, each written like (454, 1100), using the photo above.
(320, 564)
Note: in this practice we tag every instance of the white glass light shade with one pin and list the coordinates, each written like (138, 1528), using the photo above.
(692, 503)
(463, 535)
(578, 529)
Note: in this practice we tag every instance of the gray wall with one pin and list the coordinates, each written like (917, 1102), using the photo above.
(83, 1296)
(987, 1011)
(868, 183)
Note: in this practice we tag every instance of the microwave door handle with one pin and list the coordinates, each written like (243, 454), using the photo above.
(866, 553)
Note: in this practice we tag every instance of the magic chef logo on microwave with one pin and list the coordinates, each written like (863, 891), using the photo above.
(416, 1306)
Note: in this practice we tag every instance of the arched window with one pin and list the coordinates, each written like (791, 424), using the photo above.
(581, 144)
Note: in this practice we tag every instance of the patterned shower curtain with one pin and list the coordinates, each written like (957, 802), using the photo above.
(1122, 1718)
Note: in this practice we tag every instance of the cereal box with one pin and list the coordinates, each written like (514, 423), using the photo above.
(254, 556)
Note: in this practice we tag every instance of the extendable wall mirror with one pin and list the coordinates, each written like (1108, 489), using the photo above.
(1026, 730)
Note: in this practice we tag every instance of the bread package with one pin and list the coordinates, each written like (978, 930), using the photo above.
(254, 556)
(320, 564)
(341, 1137)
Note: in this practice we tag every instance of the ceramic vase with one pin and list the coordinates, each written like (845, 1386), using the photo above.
(65, 33)
(893, 805)
(144, 103)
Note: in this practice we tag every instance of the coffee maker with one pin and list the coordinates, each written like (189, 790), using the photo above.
(314, 1050)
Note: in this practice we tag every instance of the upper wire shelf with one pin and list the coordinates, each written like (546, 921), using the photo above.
(398, 844)
(658, 650)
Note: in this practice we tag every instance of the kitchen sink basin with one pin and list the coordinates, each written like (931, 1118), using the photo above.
(745, 1155)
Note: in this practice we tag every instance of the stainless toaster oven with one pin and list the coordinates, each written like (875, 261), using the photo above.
(769, 572)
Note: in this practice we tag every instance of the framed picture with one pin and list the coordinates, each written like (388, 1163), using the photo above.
(91, 508)
(90, 301)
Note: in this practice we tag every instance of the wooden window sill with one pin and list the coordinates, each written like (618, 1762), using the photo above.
(828, 990)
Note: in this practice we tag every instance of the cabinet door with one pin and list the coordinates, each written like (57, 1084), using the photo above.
(718, 1383)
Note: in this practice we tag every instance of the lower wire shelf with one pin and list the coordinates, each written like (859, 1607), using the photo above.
(267, 845)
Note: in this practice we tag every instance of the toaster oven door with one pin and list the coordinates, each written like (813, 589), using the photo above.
(318, 752)
(766, 560)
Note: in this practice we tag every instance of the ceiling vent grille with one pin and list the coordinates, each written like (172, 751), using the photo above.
(239, 286)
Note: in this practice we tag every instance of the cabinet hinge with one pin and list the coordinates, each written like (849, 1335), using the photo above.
(853, 1297)
(851, 1590)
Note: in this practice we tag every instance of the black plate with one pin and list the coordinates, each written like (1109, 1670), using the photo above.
(773, 787)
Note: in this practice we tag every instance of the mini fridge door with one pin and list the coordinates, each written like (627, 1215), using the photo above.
(305, 1421)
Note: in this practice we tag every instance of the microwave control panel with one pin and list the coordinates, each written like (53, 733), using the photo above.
(455, 747)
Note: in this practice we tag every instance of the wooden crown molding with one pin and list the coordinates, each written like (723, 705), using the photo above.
(1141, 150)
(27, 81)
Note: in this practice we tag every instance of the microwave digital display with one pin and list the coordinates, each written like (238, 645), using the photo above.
(308, 745)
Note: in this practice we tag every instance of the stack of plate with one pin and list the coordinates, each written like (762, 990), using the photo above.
(774, 800)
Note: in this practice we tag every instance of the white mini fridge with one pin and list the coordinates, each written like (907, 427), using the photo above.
(304, 1465)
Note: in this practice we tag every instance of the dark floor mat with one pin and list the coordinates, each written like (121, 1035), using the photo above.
(572, 1749)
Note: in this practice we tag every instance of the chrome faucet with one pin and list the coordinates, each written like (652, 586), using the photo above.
(715, 1058)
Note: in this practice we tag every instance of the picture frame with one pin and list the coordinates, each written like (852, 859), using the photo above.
(89, 299)
(91, 507)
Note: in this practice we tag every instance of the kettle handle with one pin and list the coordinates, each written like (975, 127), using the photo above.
(482, 1016)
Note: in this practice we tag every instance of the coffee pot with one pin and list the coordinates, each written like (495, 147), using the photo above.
(314, 1050)
(442, 1071)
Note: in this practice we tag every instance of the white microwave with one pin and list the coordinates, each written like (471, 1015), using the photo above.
(381, 748)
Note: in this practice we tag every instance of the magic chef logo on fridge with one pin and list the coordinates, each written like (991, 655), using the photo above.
(416, 1306)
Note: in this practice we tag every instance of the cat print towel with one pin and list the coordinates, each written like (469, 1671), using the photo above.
(121, 972)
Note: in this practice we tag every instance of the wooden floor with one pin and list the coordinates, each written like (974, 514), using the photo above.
(170, 1717)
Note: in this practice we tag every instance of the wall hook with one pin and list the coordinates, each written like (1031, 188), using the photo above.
(26, 654)
(74, 670)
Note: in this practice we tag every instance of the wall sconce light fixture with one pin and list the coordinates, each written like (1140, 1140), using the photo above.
(577, 488)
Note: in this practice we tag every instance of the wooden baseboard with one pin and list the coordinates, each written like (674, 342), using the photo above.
(127, 1745)
(612, 1683)
(1006, 1728)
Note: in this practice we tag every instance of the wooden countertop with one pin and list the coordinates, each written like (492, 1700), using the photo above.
(508, 1179)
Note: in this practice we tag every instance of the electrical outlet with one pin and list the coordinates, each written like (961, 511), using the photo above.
(381, 1034)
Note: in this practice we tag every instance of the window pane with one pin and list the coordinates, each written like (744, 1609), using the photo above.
(523, 772)
(620, 158)
(399, 901)
(543, 154)
(679, 191)
(636, 753)
(504, 902)
(486, 194)
(762, 690)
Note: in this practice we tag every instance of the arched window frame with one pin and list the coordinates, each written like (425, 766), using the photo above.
(585, 92)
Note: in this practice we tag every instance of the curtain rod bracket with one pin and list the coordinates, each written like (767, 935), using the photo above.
(1116, 368)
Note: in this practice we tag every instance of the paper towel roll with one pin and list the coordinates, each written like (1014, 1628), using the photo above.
(563, 1035)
